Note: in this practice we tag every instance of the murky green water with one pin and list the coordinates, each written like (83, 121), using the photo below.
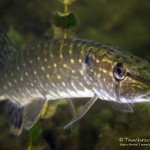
(122, 23)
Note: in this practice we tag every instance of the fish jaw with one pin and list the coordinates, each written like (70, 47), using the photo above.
(97, 69)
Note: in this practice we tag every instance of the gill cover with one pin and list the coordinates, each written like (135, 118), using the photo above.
(91, 78)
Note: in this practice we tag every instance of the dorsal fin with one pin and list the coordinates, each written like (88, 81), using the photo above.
(6, 49)
(24, 116)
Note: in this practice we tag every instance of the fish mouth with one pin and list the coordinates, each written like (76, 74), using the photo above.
(140, 83)
(140, 98)
(136, 95)
(145, 97)
(134, 92)
(145, 91)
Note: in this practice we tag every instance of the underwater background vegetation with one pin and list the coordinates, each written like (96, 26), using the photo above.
(123, 23)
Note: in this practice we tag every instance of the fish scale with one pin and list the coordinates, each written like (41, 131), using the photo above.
(72, 68)
(30, 59)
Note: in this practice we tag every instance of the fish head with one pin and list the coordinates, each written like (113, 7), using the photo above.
(118, 75)
(133, 74)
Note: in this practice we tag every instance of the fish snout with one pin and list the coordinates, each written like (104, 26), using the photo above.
(146, 96)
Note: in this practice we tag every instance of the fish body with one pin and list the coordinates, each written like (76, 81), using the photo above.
(57, 69)
(51, 70)
(73, 68)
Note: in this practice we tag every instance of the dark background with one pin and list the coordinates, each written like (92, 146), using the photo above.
(125, 24)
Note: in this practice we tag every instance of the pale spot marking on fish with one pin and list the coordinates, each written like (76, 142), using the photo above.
(31, 62)
(104, 71)
(49, 67)
(55, 65)
(106, 60)
(97, 61)
(73, 85)
(47, 76)
(60, 50)
(58, 77)
(72, 61)
(26, 73)
(45, 59)
(38, 58)
(64, 65)
(81, 71)
(21, 79)
(64, 84)
(70, 49)
(31, 84)
(81, 84)
(61, 56)
(70, 52)
(24, 64)
(10, 84)
(80, 61)
(15, 80)
(53, 84)
(35, 72)
(51, 55)
(43, 68)
(73, 71)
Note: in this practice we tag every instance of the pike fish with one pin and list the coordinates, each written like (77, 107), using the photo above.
(68, 68)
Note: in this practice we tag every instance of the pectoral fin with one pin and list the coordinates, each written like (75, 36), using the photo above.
(71, 106)
(83, 111)
(122, 107)
(24, 116)
(32, 112)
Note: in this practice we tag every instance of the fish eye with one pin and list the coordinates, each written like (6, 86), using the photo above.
(119, 72)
